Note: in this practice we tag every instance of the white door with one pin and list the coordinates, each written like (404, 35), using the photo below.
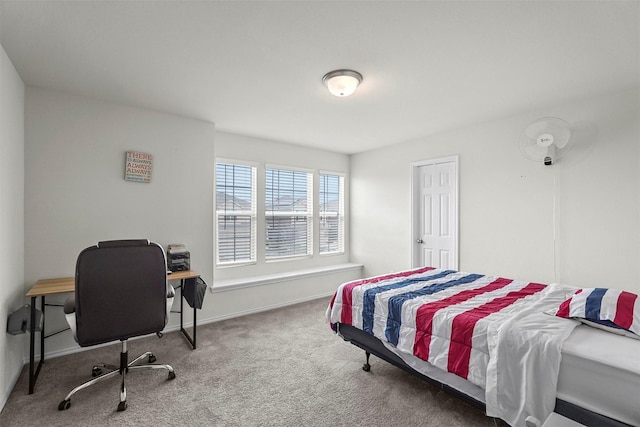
(435, 213)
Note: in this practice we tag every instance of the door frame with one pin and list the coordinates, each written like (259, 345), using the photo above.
(415, 207)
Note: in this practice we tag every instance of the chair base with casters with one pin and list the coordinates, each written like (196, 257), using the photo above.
(121, 370)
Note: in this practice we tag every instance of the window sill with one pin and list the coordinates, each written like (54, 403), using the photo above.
(249, 282)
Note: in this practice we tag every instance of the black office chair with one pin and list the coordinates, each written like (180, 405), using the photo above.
(121, 292)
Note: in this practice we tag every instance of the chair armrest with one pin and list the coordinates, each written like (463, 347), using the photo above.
(70, 305)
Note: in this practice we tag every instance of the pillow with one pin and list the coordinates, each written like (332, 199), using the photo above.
(609, 309)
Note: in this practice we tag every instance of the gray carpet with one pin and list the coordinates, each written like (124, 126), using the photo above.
(278, 368)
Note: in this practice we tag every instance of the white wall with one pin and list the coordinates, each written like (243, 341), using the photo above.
(12, 98)
(507, 214)
(76, 194)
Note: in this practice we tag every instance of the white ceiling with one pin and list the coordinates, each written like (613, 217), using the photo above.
(255, 67)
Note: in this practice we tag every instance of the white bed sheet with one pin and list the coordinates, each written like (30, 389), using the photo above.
(600, 371)
(525, 356)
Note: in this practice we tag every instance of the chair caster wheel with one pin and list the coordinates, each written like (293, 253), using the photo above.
(366, 367)
(172, 375)
(152, 358)
(64, 405)
(95, 372)
(122, 406)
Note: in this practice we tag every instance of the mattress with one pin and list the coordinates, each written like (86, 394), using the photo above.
(600, 371)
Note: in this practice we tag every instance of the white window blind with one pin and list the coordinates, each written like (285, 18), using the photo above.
(288, 213)
(331, 213)
(235, 213)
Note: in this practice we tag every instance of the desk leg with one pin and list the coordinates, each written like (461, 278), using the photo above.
(181, 304)
(191, 340)
(33, 376)
(42, 337)
(195, 323)
(32, 342)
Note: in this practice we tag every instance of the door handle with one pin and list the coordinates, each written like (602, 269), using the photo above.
(420, 241)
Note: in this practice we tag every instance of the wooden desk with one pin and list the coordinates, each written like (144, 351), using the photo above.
(45, 287)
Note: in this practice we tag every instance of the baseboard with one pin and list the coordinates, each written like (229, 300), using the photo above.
(59, 353)
(236, 284)
(9, 390)
(261, 309)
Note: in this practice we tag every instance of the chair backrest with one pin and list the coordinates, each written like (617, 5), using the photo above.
(121, 289)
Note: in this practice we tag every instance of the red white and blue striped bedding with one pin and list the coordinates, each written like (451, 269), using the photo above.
(610, 309)
(465, 324)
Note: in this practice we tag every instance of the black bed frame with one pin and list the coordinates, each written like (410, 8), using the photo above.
(372, 345)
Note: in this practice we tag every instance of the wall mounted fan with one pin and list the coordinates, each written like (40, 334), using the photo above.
(546, 140)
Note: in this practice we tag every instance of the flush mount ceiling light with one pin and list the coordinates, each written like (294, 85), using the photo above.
(342, 82)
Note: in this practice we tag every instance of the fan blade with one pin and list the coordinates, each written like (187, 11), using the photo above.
(562, 136)
(535, 152)
(535, 129)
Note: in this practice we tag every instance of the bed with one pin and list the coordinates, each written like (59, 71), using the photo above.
(517, 349)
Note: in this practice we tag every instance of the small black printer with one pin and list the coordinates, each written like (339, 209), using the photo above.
(178, 258)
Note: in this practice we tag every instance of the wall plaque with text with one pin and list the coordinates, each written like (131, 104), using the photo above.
(138, 166)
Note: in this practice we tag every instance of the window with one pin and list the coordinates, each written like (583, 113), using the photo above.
(331, 214)
(288, 213)
(235, 213)
(267, 213)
